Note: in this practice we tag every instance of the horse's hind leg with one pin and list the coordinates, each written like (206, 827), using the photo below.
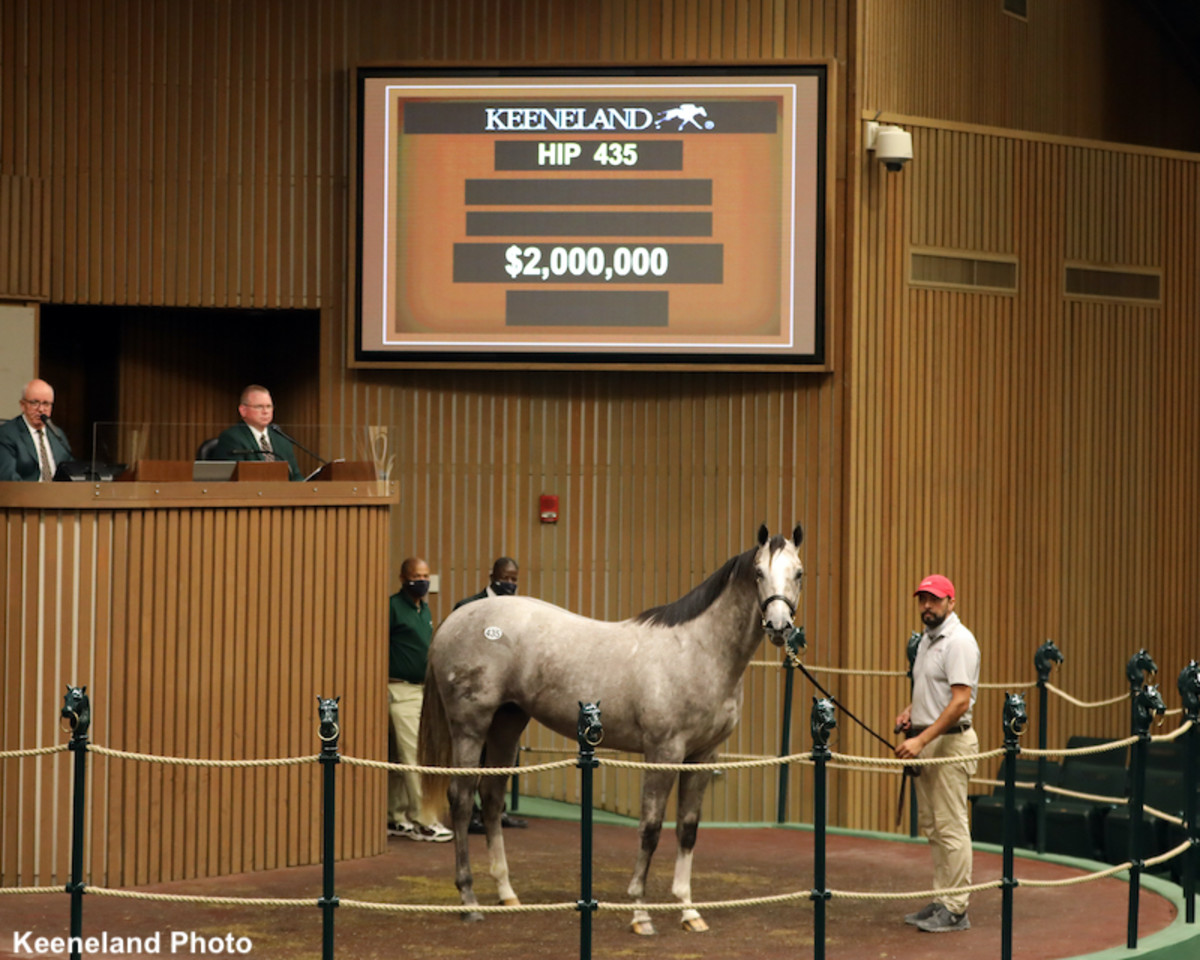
(656, 784)
(691, 795)
(501, 751)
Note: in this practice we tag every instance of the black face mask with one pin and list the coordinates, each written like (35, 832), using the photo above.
(416, 588)
(503, 588)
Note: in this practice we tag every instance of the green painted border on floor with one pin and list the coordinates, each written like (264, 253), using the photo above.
(1177, 941)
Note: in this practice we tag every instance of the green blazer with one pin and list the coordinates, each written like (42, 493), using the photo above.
(19, 458)
(238, 443)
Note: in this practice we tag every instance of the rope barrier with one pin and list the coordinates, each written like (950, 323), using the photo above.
(185, 762)
(31, 752)
(1082, 703)
(459, 771)
(11, 890)
(209, 901)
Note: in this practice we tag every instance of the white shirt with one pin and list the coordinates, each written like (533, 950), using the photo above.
(947, 656)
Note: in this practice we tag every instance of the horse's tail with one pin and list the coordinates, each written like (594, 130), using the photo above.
(433, 750)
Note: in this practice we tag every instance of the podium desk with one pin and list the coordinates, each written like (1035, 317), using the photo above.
(205, 619)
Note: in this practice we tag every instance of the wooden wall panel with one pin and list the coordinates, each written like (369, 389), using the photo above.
(1097, 71)
(1029, 446)
(189, 627)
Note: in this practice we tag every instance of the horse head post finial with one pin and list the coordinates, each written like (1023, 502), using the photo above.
(1045, 658)
(1015, 718)
(822, 721)
(328, 729)
(1147, 704)
(914, 642)
(77, 712)
(1189, 690)
(1140, 664)
(590, 730)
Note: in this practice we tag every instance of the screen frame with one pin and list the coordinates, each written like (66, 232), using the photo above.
(819, 360)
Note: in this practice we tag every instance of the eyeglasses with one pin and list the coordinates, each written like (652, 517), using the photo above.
(259, 406)
(39, 403)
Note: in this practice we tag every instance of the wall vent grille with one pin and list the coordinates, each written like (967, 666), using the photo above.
(1110, 283)
(962, 271)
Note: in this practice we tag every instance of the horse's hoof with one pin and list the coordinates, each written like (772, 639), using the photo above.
(471, 916)
(694, 925)
(643, 928)
(509, 902)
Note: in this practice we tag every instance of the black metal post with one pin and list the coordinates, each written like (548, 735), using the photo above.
(590, 733)
(329, 732)
(1014, 726)
(785, 741)
(1140, 728)
(77, 710)
(914, 641)
(822, 722)
(514, 802)
(1044, 659)
(1189, 690)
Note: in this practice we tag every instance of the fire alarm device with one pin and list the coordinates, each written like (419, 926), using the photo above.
(548, 508)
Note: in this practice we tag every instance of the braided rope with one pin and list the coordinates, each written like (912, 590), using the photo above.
(459, 771)
(31, 752)
(1079, 751)
(458, 908)
(58, 889)
(918, 761)
(1083, 703)
(687, 767)
(187, 762)
(1094, 797)
(211, 901)
(915, 894)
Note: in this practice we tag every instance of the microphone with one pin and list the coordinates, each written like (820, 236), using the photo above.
(274, 428)
(53, 428)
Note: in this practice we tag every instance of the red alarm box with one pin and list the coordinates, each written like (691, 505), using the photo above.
(548, 507)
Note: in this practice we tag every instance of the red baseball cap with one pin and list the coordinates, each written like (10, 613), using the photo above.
(939, 586)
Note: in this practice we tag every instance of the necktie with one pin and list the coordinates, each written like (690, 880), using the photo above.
(268, 453)
(44, 454)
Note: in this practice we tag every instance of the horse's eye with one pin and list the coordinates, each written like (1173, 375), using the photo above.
(758, 574)
(799, 574)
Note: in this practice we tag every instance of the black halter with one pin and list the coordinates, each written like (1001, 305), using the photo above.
(762, 607)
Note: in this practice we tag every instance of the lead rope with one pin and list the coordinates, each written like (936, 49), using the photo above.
(793, 654)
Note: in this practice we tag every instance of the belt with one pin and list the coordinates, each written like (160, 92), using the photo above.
(411, 683)
(960, 728)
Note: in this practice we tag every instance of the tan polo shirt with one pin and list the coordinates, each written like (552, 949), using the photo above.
(947, 657)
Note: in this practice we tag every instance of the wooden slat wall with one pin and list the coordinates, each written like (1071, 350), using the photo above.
(1033, 448)
(201, 633)
(1096, 70)
(207, 163)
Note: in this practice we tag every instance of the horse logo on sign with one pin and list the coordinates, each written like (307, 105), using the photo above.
(685, 113)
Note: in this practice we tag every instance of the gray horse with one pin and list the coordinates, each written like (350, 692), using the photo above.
(669, 682)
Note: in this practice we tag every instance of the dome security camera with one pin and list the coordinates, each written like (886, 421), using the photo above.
(892, 145)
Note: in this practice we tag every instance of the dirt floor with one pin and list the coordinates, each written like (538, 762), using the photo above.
(731, 862)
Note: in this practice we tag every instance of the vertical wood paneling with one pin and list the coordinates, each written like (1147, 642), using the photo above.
(179, 621)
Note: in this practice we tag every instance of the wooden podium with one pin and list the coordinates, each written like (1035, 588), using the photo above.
(205, 620)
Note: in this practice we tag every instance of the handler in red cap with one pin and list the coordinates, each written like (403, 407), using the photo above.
(938, 724)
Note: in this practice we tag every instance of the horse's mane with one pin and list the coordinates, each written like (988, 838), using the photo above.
(700, 598)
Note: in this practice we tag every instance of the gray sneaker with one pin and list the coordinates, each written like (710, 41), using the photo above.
(924, 913)
(943, 921)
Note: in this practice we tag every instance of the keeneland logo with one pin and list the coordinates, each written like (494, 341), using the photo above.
(535, 119)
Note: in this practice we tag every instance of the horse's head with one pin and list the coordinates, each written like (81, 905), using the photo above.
(76, 710)
(1015, 718)
(779, 573)
(1148, 704)
(327, 714)
(1046, 656)
(822, 720)
(1189, 689)
(591, 730)
(1140, 664)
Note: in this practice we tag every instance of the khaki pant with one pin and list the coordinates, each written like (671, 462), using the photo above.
(942, 813)
(404, 790)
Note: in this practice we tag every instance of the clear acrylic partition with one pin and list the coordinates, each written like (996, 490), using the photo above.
(118, 445)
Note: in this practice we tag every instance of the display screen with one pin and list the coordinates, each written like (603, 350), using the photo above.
(651, 218)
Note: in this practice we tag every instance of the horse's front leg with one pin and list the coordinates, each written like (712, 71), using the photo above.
(691, 796)
(656, 784)
(462, 794)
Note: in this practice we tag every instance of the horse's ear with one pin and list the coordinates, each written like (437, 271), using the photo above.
(798, 535)
(763, 535)
(338, 698)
